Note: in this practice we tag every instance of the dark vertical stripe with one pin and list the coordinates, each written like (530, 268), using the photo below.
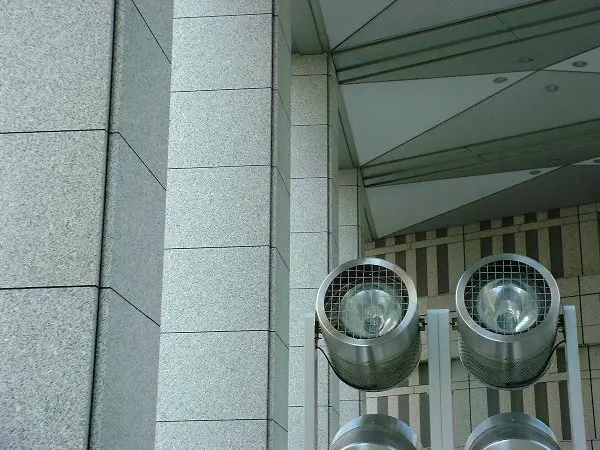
(530, 217)
(382, 405)
(423, 373)
(493, 401)
(561, 361)
(379, 243)
(554, 213)
(401, 259)
(541, 402)
(485, 225)
(508, 243)
(399, 240)
(420, 236)
(421, 272)
(531, 244)
(508, 221)
(516, 401)
(404, 408)
(443, 271)
(441, 232)
(556, 252)
(425, 430)
(565, 419)
(485, 245)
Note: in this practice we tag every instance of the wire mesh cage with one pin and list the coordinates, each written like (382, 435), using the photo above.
(368, 315)
(513, 280)
(370, 292)
(508, 308)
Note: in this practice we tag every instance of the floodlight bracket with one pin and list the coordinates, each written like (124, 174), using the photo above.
(441, 409)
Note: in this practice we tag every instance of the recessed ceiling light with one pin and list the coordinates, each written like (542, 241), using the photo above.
(580, 64)
(500, 80)
(552, 88)
(525, 59)
(535, 172)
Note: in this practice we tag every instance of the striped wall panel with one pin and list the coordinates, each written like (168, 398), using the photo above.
(474, 402)
(567, 242)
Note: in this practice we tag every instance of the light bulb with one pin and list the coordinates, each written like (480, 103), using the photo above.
(370, 310)
(508, 306)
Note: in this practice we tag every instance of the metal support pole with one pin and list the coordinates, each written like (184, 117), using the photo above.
(310, 383)
(441, 411)
(574, 379)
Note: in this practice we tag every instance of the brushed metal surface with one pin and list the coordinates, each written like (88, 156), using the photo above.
(503, 359)
(374, 432)
(372, 363)
(512, 431)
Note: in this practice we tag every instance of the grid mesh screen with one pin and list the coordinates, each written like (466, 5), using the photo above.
(364, 274)
(505, 374)
(507, 270)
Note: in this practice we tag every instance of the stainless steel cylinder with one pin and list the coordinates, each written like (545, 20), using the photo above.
(508, 310)
(375, 432)
(512, 431)
(368, 315)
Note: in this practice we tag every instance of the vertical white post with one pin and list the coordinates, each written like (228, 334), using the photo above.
(574, 379)
(310, 383)
(435, 403)
(446, 379)
(441, 414)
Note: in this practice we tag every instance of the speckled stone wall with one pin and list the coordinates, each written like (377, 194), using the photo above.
(127, 342)
(351, 247)
(313, 230)
(83, 145)
(223, 365)
(566, 241)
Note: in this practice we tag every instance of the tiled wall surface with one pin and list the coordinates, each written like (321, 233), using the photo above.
(567, 242)
(314, 234)
(126, 362)
(83, 145)
(223, 364)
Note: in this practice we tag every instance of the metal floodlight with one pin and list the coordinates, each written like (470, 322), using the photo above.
(512, 431)
(375, 431)
(368, 315)
(508, 310)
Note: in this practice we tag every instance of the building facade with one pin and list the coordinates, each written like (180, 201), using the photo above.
(172, 198)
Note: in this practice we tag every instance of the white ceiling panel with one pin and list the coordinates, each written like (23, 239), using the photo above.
(590, 162)
(523, 55)
(408, 16)
(567, 186)
(384, 115)
(400, 206)
(524, 107)
(591, 60)
(344, 17)
(422, 42)
(559, 25)
(411, 59)
(545, 11)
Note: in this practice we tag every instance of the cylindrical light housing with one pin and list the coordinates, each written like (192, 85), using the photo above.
(368, 315)
(512, 430)
(508, 309)
(375, 431)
